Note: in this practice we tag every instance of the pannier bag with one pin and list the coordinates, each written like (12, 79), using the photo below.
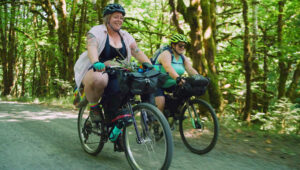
(146, 82)
(193, 86)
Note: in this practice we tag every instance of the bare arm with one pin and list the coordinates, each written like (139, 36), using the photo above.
(92, 46)
(188, 67)
(165, 59)
(138, 54)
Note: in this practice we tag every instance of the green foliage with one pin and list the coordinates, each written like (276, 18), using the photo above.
(150, 23)
(63, 102)
(284, 118)
(64, 87)
(147, 21)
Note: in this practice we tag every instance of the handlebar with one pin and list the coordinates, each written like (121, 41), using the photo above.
(130, 68)
(197, 80)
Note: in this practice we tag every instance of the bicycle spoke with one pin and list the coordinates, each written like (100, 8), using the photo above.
(199, 133)
(156, 152)
(90, 137)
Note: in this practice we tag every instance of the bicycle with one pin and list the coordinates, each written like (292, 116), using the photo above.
(139, 139)
(198, 123)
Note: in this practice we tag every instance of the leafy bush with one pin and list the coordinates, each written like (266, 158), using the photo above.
(284, 117)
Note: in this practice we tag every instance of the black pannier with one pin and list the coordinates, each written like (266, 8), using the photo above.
(193, 86)
(146, 82)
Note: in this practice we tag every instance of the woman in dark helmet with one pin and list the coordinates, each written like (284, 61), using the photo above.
(107, 44)
(172, 61)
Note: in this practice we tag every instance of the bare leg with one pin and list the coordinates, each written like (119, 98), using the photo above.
(160, 102)
(94, 85)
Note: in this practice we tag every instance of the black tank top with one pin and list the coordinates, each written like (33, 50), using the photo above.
(110, 52)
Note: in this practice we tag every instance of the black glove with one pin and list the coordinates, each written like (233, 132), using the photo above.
(178, 80)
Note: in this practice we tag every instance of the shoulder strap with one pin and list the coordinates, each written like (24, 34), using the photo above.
(158, 52)
(182, 57)
(170, 50)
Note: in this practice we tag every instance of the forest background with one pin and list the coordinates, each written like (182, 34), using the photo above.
(250, 49)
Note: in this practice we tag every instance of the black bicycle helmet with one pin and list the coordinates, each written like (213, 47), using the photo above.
(111, 8)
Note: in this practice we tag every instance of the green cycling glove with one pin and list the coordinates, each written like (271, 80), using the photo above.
(98, 65)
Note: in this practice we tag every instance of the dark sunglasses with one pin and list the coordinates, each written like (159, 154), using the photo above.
(181, 45)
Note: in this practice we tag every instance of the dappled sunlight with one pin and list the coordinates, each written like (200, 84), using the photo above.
(13, 112)
(208, 33)
(12, 120)
(196, 133)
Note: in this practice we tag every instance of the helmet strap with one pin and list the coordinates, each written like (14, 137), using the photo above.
(176, 52)
(115, 30)
(174, 49)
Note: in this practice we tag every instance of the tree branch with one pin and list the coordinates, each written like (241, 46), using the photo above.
(230, 23)
(175, 16)
(138, 20)
(181, 7)
(40, 14)
(3, 2)
(132, 30)
(230, 12)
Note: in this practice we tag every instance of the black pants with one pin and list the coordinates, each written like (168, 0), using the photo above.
(112, 98)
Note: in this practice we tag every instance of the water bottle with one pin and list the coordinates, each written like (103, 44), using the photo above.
(115, 133)
(140, 69)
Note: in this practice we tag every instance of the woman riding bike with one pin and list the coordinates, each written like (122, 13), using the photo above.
(198, 124)
(107, 45)
(173, 62)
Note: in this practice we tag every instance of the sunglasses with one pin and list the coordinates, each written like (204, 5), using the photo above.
(181, 45)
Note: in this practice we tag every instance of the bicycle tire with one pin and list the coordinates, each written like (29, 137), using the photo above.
(159, 152)
(201, 137)
(84, 127)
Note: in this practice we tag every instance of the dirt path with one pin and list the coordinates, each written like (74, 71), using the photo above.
(40, 137)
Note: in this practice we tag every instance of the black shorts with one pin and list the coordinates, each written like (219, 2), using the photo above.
(161, 91)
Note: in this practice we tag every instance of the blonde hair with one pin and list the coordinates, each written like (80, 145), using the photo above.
(106, 19)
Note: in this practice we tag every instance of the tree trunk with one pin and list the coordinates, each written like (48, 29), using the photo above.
(210, 53)
(265, 74)
(11, 55)
(33, 83)
(23, 74)
(254, 61)
(63, 41)
(24, 59)
(192, 16)
(291, 92)
(283, 66)
(3, 50)
(33, 65)
(100, 4)
(43, 77)
(81, 29)
(213, 17)
(53, 60)
(175, 17)
(254, 38)
(247, 64)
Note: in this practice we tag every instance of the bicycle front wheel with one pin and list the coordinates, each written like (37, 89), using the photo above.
(89, 134)
(153, 149)
(198, 126)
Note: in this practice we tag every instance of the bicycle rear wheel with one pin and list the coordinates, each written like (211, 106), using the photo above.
(198, 126)
(155, 149)
(89, 134)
